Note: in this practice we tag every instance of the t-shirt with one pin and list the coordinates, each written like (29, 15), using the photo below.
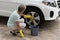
(13, 17)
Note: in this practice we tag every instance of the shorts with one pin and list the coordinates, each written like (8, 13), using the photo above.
(14, 26)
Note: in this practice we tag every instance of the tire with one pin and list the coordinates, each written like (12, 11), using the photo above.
(38, 11)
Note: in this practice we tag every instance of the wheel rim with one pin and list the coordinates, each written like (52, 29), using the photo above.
(36, 19)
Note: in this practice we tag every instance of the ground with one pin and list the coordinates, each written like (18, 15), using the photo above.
(49, 31)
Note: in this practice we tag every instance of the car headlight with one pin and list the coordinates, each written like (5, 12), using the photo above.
(52, 4)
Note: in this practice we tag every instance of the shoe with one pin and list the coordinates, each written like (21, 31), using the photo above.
(17, 32)
(14, 34)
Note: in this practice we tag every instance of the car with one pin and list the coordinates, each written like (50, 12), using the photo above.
(40, 10)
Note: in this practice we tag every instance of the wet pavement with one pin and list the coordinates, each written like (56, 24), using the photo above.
(49, 31)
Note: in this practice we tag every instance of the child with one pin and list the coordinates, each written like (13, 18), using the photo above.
(15, 21)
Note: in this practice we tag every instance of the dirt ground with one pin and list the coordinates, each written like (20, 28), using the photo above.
(49, 31)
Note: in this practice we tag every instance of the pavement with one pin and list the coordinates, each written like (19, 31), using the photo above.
(49, 31)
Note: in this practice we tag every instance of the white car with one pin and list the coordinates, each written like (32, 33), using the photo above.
(39, 9)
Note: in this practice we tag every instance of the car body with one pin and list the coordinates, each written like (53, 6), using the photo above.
(8, 6)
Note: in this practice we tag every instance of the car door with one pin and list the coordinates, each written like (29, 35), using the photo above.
(7, 6)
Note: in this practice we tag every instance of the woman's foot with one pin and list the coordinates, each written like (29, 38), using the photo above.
(14, 34)
(17, 32)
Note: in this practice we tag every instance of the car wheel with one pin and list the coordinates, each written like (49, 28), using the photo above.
(38, 17)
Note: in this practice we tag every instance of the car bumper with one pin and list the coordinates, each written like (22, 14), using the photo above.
(47, 13)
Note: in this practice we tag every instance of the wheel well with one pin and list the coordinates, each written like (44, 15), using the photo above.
(39, 10)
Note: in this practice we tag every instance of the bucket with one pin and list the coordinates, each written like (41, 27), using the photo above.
(34, 30)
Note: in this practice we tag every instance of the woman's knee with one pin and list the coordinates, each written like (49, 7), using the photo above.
(22, 25)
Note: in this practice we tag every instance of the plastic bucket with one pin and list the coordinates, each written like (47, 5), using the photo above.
(34, 30)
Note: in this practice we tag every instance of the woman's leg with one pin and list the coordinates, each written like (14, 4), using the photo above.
(12, 29)
(22, 25)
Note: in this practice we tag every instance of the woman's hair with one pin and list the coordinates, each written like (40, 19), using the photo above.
(21, 8)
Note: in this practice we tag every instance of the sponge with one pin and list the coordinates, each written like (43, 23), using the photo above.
(28, 16)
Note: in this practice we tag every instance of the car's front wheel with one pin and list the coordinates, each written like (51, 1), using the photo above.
(37, 14)
(36, 19)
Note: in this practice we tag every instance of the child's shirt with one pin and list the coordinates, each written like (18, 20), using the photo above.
(13, 17)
